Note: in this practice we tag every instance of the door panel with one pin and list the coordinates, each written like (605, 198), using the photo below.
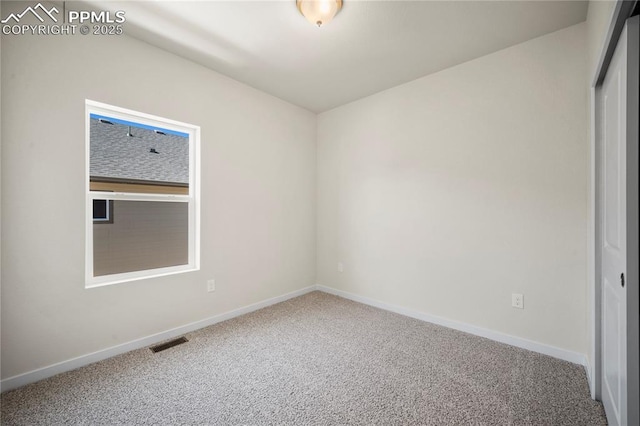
(613, 175)
(612, 341)
(612, 158)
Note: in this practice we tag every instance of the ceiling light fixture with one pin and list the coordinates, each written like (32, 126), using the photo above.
(319, 12)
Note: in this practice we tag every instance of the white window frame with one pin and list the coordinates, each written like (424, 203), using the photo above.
(193, 198)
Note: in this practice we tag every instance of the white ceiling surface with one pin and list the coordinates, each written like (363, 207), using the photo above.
(370, 46)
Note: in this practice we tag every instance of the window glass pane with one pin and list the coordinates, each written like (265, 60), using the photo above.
(143, 235)
(126, 156)
(102, 211)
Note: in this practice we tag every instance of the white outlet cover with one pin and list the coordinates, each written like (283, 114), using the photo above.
(517, 300)
(340, 267)
(211, 285)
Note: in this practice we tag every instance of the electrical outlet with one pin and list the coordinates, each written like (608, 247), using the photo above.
(517, 301)
(340, 267)
(211, 285)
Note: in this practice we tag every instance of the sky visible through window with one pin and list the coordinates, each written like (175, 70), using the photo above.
(139, 125)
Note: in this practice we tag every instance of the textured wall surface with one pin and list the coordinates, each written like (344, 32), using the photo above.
(257, 205)
(448, 194)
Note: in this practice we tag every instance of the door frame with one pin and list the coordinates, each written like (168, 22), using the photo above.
(622, 12)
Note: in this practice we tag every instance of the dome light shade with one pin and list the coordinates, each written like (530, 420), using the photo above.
(319, 12)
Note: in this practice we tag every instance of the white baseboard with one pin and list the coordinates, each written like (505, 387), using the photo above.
(81, 361)
(563, 354)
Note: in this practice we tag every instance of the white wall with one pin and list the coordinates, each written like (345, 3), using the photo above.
(258, 195)
(448, 193)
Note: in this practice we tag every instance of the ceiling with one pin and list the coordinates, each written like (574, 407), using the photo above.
(370, 46)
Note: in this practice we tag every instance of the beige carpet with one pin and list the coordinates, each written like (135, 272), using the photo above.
(316, 360)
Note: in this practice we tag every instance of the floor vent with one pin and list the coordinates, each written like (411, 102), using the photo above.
(169, 344)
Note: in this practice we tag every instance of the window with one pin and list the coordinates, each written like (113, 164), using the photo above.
(102, 211)
(146, 170)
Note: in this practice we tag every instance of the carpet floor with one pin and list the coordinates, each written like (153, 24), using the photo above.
(315, 360)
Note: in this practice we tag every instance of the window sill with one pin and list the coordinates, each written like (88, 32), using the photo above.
(101, 281)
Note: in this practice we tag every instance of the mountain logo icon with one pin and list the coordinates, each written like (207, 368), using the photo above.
(34, 11)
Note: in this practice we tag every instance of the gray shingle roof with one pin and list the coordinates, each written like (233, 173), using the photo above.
(114, 154)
